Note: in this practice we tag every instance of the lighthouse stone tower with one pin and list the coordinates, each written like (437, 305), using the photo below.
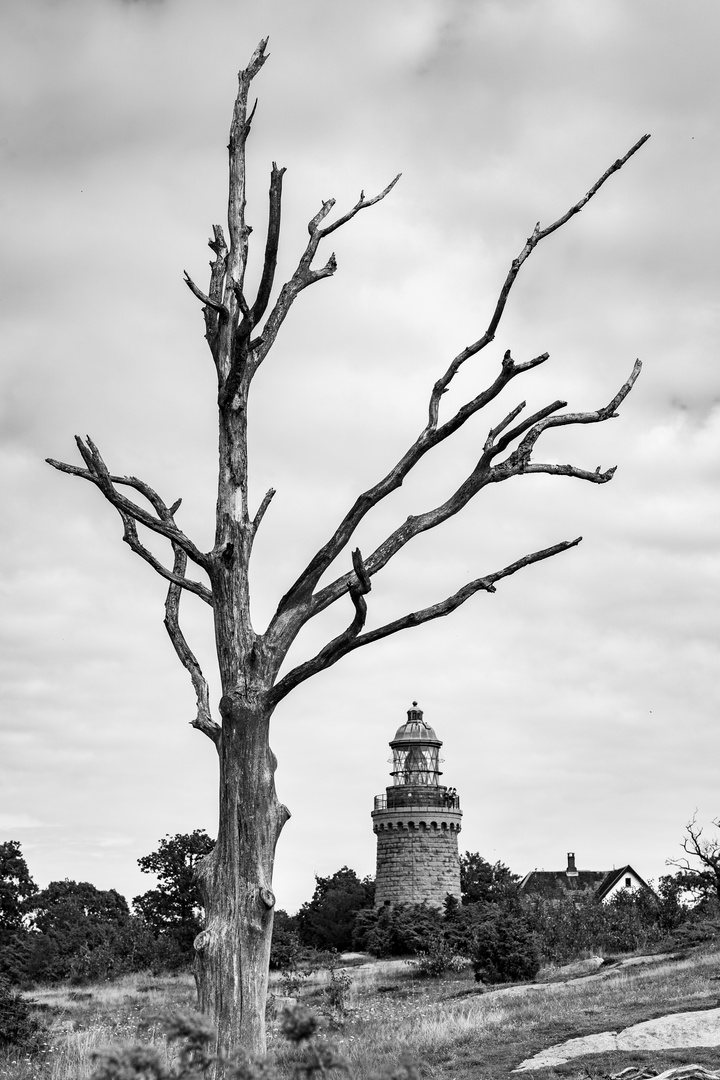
(416, 822)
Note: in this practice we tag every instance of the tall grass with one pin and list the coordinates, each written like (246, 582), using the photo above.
(81, 1021)
(450, 1024)
(516, 1018)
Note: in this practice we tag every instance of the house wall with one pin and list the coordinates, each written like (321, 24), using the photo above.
(621, 885)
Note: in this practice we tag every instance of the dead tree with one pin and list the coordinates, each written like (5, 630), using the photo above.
(233, 950)
(700, 867)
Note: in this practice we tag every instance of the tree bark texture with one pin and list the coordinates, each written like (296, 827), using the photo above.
(236, 878)
(233, 952)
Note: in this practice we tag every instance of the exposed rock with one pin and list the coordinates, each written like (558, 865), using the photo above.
(700, 1028)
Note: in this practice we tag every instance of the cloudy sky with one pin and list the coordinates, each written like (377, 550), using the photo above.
(578, 706)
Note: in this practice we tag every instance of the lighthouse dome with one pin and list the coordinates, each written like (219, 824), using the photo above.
(415, 729)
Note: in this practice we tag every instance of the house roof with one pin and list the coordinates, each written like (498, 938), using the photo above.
(614, 876)
(555, 884)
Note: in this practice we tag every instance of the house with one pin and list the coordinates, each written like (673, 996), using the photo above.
(600, 884)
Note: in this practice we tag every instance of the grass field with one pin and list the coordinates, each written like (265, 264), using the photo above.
(457, 1030)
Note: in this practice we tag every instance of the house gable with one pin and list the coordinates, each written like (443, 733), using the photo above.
(625, 879)
(571, 882)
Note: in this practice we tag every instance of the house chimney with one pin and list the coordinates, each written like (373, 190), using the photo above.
(571, 869)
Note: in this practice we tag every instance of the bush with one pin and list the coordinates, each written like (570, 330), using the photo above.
(286, 949)
(569, 928)
(18, 1027)
(438, 959)
(505, 948)
(397, 929)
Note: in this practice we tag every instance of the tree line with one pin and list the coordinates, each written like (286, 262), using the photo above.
(74, 931)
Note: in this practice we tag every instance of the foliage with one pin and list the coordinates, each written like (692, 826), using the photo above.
(672, 911)
(397, 929)
(193, 1037)
(336, 991)
(326, 921)
(505, 949)
(18, 1027)
(16, 887)
(83, 933)
(174, 908)
(286, 947)
(484, 882)
(439, 958)
(567, 928)
(700, 928)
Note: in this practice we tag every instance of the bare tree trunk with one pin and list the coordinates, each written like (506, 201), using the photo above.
(233, 952)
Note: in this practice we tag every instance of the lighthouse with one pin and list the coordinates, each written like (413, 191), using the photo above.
(416, 822)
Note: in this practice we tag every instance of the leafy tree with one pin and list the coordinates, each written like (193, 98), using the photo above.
(82, 933)
(672, 911)
(16, 888)
(481, 881)
(327, 921)
(241, 329)
(175, 908)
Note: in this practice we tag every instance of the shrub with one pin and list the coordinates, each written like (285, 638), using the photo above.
(505, 948)
(569, 928)
(18, 1027)
(286, 949)
(397, 929)
(336, 991)
(438, 959)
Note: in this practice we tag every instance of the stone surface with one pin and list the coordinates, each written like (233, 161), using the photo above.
(417, 856)
(678, 1030)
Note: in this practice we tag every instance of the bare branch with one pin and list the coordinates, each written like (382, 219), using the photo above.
(214, 304)
(531, 243)
(596, 416)
(98, 474)
(267, 499)
(239, 131)
(271, 246)
(361, 204)
(203, 720)
(484, 473)
(519, 429)
(304, 274)
(427, 439)
(433, 434)
(131, 538)
(347, 642)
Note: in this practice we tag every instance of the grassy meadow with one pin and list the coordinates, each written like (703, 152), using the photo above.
(451, 1025)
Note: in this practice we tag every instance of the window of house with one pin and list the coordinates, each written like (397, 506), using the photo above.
(628, 883)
